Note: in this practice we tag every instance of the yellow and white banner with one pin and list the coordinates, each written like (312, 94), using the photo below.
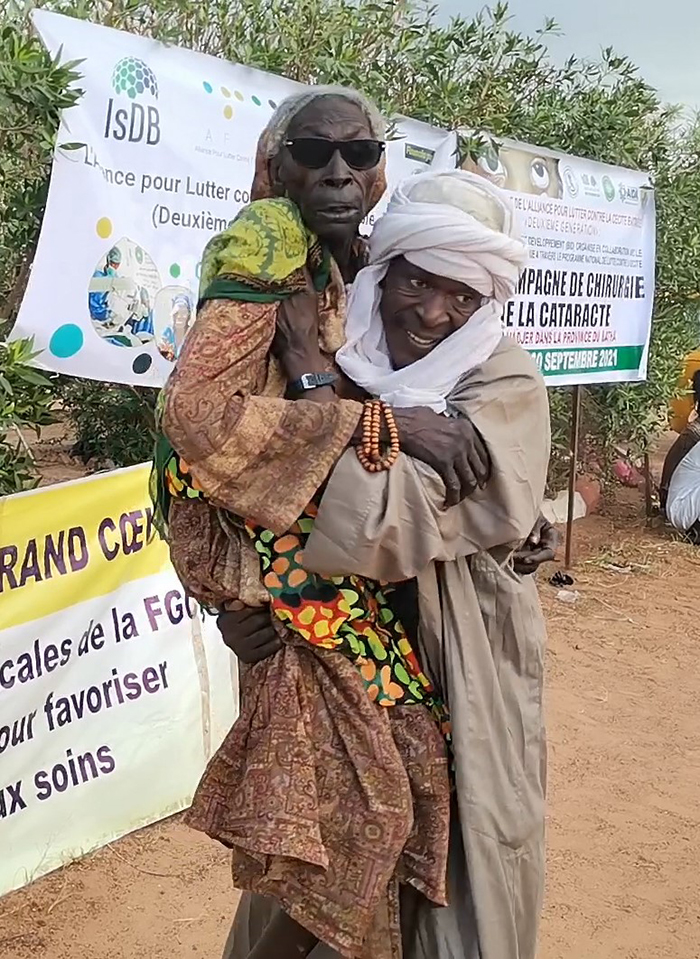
(114, 690)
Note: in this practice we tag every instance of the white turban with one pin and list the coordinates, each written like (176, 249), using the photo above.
(454, 224)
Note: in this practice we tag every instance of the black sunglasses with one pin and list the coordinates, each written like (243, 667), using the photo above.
(314, 153)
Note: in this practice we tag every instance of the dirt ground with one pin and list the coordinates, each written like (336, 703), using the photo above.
(624, 816)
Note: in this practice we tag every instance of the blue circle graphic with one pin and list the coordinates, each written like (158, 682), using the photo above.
(66, 341)
(208, 87)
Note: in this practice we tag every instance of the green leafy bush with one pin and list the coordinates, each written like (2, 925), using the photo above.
(33, 91)
(113, 425)
(27, 400)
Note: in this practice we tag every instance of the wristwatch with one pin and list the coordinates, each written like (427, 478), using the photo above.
(312, 381)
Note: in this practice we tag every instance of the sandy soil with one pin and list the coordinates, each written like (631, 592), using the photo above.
(52, 455)
(624, 819)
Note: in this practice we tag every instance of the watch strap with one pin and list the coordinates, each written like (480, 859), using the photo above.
(313, 381)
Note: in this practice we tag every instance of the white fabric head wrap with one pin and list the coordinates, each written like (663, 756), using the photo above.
(454, 224)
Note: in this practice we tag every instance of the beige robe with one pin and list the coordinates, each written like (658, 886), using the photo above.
(481, 633)
(483, 640)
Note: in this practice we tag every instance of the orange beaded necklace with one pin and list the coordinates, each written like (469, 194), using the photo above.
(370, 452)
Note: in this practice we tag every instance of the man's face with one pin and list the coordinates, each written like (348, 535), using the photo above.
(335, 198)
(419, 310)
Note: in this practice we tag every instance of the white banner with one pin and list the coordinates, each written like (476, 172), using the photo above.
(167, 160)
(113, 691)
(586, 298)
(169, 144)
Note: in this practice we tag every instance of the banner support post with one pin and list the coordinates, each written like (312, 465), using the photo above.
(573, 452)
(648, 490)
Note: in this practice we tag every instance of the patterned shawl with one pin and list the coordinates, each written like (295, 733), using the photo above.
(263, 257)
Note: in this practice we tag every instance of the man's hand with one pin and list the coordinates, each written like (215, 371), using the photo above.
(452, 447)
(540, 547)
(248, 633)
(296, 343)
(296, 330)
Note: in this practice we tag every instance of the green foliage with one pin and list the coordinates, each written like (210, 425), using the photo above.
(33, 91)
(114, 425)
(26, 402)
(474, 73)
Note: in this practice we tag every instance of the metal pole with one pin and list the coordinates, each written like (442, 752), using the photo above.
(573, 448)
(648, 489)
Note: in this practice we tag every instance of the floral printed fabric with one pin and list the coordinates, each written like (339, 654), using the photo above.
(348, 614)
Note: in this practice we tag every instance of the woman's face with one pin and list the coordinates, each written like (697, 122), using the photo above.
(419, 310)
(335, 197)
(181, 315)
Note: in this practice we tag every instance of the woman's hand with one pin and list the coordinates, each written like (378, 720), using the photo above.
(452, 447)
(540, 547)
(248, 633)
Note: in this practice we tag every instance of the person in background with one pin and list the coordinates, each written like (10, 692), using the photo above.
(173, 335)
(680, 480)
(166, 344)
(98, 300)
(181, 319)
(140, 323)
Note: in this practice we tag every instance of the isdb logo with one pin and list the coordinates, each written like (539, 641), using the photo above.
(134, 80)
